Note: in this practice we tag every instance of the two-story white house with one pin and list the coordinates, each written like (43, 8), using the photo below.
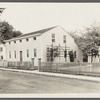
(35, 44)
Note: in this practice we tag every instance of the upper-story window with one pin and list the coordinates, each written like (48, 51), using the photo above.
(64, 39)
(20, 40)
(27, 39)
(53, 37)
(1, 57)
(34, 38)
(14, 41)
(1, 49)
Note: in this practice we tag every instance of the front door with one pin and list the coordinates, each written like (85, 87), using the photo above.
(21, 56)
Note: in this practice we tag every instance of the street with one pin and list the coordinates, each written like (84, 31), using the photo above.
(16, 82)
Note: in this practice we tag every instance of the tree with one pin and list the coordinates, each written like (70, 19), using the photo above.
(89, 40)
(16, 33)
(7, 31)
(71, 55)
(1, 10)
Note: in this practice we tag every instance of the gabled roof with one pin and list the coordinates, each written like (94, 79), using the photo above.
(37, 32)
(31, 34)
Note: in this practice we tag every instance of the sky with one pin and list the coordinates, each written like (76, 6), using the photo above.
(30, 17)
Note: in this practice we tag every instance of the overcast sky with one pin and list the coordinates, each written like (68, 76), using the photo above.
(29, 17)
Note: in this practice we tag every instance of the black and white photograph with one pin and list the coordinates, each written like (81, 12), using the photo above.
(49, 49)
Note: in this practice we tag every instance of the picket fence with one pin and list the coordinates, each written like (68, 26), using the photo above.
(27, 65)
(71, 68)
(65, 68)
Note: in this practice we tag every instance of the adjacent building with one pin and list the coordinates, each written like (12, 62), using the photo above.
(2, 51)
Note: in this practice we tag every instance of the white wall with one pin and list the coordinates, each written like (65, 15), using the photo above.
(59, 32)
(23, 46)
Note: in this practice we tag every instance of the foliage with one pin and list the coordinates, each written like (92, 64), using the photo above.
(89, 40)
(1, 10)
(7, 31)
(16, 33)
(52, 53)
(71, 55)
(85, 57)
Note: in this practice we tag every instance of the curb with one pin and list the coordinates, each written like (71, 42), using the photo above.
(69, 76)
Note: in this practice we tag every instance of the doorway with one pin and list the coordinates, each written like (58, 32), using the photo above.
(21, 56)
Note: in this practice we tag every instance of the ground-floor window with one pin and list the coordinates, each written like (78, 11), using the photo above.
(21, 56)
(15, 53)
(27, 53)
(9, 54)
(35, 53)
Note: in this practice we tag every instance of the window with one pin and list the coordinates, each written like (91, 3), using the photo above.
(14, 41)
(21, 56)
(1, 49)
(35, 54)
(15, 53)
(1, 57)
(20, 40)
(27, 53)
(53, 37)
(9, 54)
(27, 39)
(34, 38)
(9, 43)
(64, 39)
(74, 54)
(48, 51)
(48, 54)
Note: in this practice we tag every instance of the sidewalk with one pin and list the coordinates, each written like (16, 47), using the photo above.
(88, 78)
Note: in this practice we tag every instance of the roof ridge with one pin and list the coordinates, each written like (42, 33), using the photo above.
(39, 31)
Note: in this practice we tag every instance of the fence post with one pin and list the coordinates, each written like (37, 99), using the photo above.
(32, 63)
(39, 64)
